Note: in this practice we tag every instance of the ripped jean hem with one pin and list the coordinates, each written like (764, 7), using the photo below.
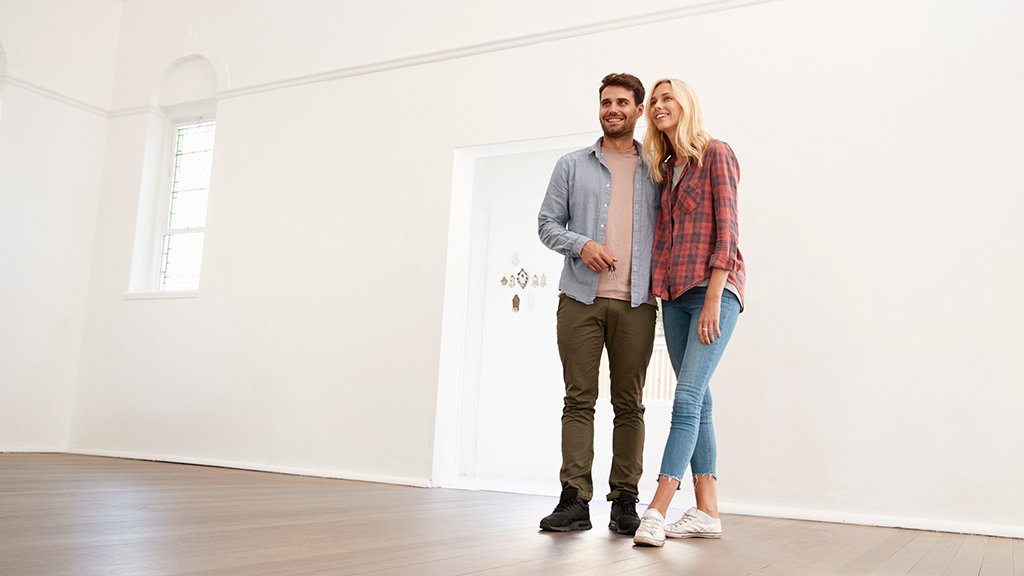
(696, 477)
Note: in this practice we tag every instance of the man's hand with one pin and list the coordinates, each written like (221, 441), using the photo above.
(597, 257)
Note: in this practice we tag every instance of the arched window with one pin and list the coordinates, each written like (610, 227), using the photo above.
(172, 213)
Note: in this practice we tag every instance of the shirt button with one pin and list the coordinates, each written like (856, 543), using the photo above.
(602, 225)
(605, 205)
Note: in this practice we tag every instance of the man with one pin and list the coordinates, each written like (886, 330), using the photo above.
(600, 211)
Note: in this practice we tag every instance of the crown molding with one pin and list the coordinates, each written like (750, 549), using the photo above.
(495, 46)
(416, 60)
(26, 85)
(36, 89)
(148, 109)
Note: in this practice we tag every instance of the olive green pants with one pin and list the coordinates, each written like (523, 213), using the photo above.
(628, 334)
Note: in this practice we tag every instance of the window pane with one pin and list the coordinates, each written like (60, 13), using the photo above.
(182, 256)
(193, 170)
(192, 162)
(196, 137)
(188, 208)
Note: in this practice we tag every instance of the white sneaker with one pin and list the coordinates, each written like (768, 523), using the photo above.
(652, 529)
(694, 524)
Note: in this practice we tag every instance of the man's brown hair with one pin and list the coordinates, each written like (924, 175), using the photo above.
(626, 81)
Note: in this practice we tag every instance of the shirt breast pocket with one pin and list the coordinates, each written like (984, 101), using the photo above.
(691, 197)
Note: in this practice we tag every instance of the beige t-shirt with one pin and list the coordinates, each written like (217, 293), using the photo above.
(618, 238)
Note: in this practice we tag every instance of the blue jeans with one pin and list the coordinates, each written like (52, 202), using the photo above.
(691, 439)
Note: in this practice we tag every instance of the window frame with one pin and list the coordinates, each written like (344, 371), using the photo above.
(161, 228)
(155, 196)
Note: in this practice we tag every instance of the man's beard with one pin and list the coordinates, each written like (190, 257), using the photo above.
(624, 129)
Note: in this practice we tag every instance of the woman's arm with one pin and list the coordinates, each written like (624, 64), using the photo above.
(707, 323)
(725, 176)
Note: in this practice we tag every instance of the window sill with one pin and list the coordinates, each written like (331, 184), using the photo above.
(162, 295)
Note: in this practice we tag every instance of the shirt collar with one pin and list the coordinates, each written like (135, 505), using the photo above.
(596, 150)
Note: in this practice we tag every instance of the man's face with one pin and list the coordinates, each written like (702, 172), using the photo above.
(618, 112)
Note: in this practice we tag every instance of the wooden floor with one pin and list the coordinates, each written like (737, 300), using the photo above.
(82, 515)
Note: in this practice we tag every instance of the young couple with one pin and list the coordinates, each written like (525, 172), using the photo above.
(636, 222)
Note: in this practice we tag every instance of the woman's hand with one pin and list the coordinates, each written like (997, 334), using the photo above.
(707, 322)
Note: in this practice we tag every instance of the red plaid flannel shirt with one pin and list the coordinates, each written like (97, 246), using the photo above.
(697, 226)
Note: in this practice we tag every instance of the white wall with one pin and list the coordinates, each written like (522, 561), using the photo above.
(853, 390)
(268, 41)
(869, 377)
(55, 86)
(866, 381)
(63, 47)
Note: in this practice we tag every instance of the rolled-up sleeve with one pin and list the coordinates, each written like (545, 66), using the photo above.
(725, 176)
(554, 215)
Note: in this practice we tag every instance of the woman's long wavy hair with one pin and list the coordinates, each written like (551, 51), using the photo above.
(690, 138)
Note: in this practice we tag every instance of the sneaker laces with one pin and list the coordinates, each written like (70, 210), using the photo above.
(565, 503)
(648, 524)
(687, 518)
(628, 505)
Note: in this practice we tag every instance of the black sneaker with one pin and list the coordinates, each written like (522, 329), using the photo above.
(624, 518)
(570, 514)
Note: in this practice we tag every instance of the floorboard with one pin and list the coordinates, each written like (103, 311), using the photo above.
(1018, 558)
(68, 515)
(998, 557)
(968, 558)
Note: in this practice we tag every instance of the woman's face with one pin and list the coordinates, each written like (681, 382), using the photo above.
(666, 112)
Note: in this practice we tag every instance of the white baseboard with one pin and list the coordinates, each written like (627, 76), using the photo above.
(550, 488)
(258, 467)
(837, 517)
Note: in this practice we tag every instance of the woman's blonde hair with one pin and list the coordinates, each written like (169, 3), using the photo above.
(690, 137)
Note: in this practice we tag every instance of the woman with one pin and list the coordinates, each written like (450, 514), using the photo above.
(697, 271)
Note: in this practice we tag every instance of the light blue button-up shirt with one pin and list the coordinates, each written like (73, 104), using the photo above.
(575, 211)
